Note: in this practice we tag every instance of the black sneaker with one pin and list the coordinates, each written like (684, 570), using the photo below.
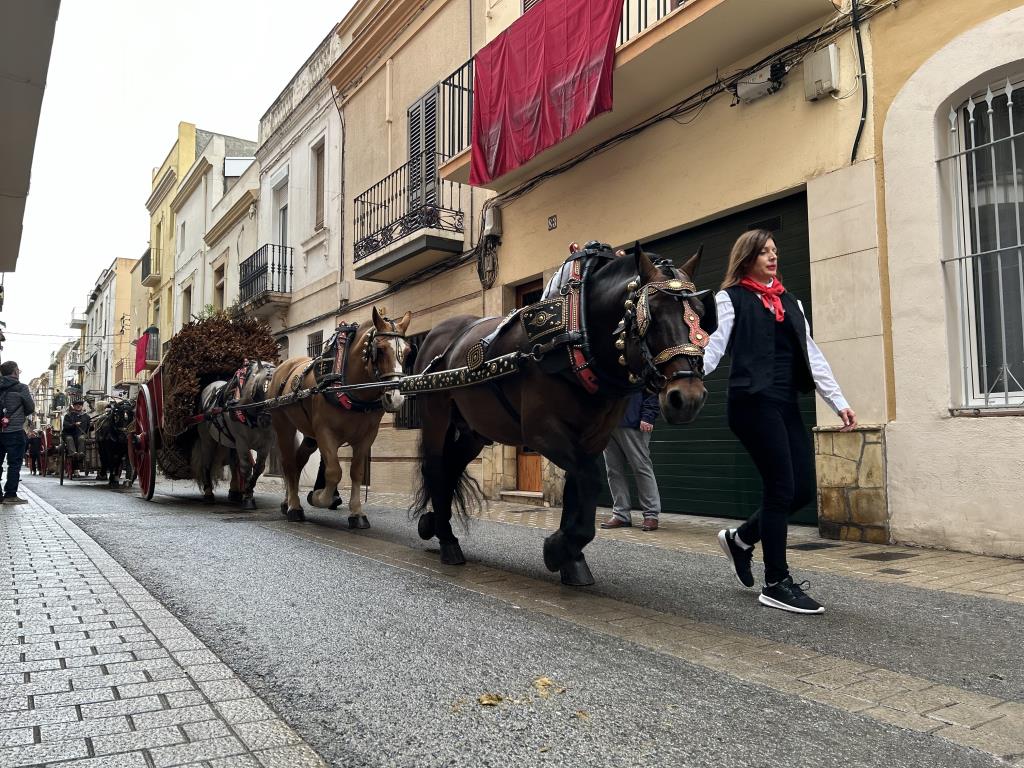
(739, 556)
(791, 597)
(14, 500)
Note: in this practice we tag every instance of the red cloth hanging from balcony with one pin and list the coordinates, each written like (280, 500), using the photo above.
(540, 81)
(141, 345)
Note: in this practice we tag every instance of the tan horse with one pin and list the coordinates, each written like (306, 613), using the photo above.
(375, 354)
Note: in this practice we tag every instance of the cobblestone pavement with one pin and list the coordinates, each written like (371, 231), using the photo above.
(95, 673)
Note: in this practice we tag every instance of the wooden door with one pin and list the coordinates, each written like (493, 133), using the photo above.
(528, 462)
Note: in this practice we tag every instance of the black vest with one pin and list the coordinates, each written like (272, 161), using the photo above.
(752, 343)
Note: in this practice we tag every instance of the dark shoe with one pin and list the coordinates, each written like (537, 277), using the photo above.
(615, 522)
(791, 597)
(14, 500)
(739, 556)
(650, 524)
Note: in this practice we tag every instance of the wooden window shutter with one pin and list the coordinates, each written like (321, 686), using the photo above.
(318, 159)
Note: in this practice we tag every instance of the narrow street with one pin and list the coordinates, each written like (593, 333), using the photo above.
(375, 654)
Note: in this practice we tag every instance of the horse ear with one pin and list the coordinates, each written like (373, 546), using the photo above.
(644, 266)
(378, 321)
(404, 322)
(693, 263)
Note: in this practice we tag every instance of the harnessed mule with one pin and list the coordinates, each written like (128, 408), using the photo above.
(231, 422)
(619, 325)
(328, 420)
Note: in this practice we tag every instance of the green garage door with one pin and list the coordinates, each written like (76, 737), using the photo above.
(701, 467)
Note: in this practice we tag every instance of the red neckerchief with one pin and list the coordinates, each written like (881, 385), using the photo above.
(771, 295)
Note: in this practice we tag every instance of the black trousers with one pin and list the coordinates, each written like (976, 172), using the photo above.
(780, 445)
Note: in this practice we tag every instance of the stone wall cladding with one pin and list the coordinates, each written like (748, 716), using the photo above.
(852, 501)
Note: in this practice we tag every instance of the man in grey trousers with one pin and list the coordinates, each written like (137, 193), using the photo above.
(630, 445)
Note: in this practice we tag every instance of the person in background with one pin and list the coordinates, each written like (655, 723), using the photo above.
(630, 445)
(74, 429)
(774, 359)
(35, 448)
(16, 405)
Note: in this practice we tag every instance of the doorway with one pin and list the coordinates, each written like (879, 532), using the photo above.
(528, 462)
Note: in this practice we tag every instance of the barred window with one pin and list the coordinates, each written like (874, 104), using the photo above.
(315, 344)
(984, 175)
(409, 415)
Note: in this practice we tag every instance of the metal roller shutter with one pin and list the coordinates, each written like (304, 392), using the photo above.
(701, 468)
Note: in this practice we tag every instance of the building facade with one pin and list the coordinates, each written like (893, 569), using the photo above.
(293, 277)
(107, 330)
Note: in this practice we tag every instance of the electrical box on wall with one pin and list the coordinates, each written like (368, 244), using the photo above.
(821, 73)
(492, 221)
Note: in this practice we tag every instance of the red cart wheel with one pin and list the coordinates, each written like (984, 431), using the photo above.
(142, 443)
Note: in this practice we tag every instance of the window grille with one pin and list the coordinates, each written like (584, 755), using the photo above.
(318, 162)
(315, 344)
(984, 177)
(528, 4)
(409, 415)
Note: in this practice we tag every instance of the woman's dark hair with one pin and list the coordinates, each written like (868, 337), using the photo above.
(743, 255)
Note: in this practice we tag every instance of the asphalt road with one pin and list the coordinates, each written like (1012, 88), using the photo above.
(376, 665)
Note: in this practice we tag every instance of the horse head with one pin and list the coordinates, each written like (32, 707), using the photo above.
(383, 352)
(664, 329)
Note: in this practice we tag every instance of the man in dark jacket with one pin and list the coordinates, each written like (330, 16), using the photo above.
(74, 428)
(630, 445)
(15, 404)
(35, 449)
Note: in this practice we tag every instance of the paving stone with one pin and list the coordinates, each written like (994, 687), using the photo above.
(88, 696)
(196, 751)
(17, 737)
(264, 734)
(207, 672)
(178, 716)
(290, 757)
(155, 688)
(207, 729)
(244, 710)
(138, 740)
(225, 690)
(238, 761)
(125, 760)
(902, 719)
(122, 707)
(966, 715)
(185, 699)
(84, 728)
(37, 754)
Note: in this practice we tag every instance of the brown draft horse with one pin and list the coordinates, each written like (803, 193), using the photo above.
(551, 412)
(376, 354)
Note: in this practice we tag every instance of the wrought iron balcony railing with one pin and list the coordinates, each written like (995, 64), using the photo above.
(408, 200)
(151, 267)
(269, 270)
(456, 116)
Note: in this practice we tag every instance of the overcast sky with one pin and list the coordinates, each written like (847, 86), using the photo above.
(123, 73)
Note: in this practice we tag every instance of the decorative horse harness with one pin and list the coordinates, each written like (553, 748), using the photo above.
(559, 324)
(331, 368)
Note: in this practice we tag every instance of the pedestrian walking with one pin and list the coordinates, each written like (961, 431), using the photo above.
(774, 359)
(630, 446)
(16, 405)
(35, 449)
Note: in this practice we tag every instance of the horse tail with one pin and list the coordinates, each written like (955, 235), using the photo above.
(467, 496)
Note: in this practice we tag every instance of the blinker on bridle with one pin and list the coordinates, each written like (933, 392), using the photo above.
(370, 356)
(637, 321)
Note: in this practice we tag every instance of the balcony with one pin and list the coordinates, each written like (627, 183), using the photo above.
(408, 221)
(151, 268)
(124, 371)
(265, 280)
(78, 320)
(666, 48)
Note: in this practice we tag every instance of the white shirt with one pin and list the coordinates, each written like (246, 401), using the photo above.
(824, 381)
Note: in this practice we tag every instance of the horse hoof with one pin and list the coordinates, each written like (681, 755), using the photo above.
(358, 522)
(208, 499)
(309, 499)
(296, 515)
(284, 507)
(451, 553)
(250, 503)
(425, 526)
(337, 502)
(556, 553)
(235, 497)
(576, 573)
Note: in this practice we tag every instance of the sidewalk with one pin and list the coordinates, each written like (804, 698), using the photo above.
(95, 673)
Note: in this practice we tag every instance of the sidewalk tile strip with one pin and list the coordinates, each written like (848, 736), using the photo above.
(95, 673)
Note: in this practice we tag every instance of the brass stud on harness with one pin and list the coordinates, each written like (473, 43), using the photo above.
(633, 378)
(628, 304)
(632, 285)
(622, 359)
(620, 343)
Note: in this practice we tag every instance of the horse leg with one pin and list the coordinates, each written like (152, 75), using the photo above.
(563, 549)
(357, 471)
(258, 468)
(207, 456)
(325, 497)
(285, 432)
(236, 489)
(246, 472)
(461, 447)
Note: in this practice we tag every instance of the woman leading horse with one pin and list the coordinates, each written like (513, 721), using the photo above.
(626, 324)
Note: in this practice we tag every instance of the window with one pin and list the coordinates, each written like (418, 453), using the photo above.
(186, 305)
(181, 238)
(282, 225)
(409, 415)
(218, 288)
(315, 344)
(528, 4)
(318, 175)
(985, 178)
(423, 178)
